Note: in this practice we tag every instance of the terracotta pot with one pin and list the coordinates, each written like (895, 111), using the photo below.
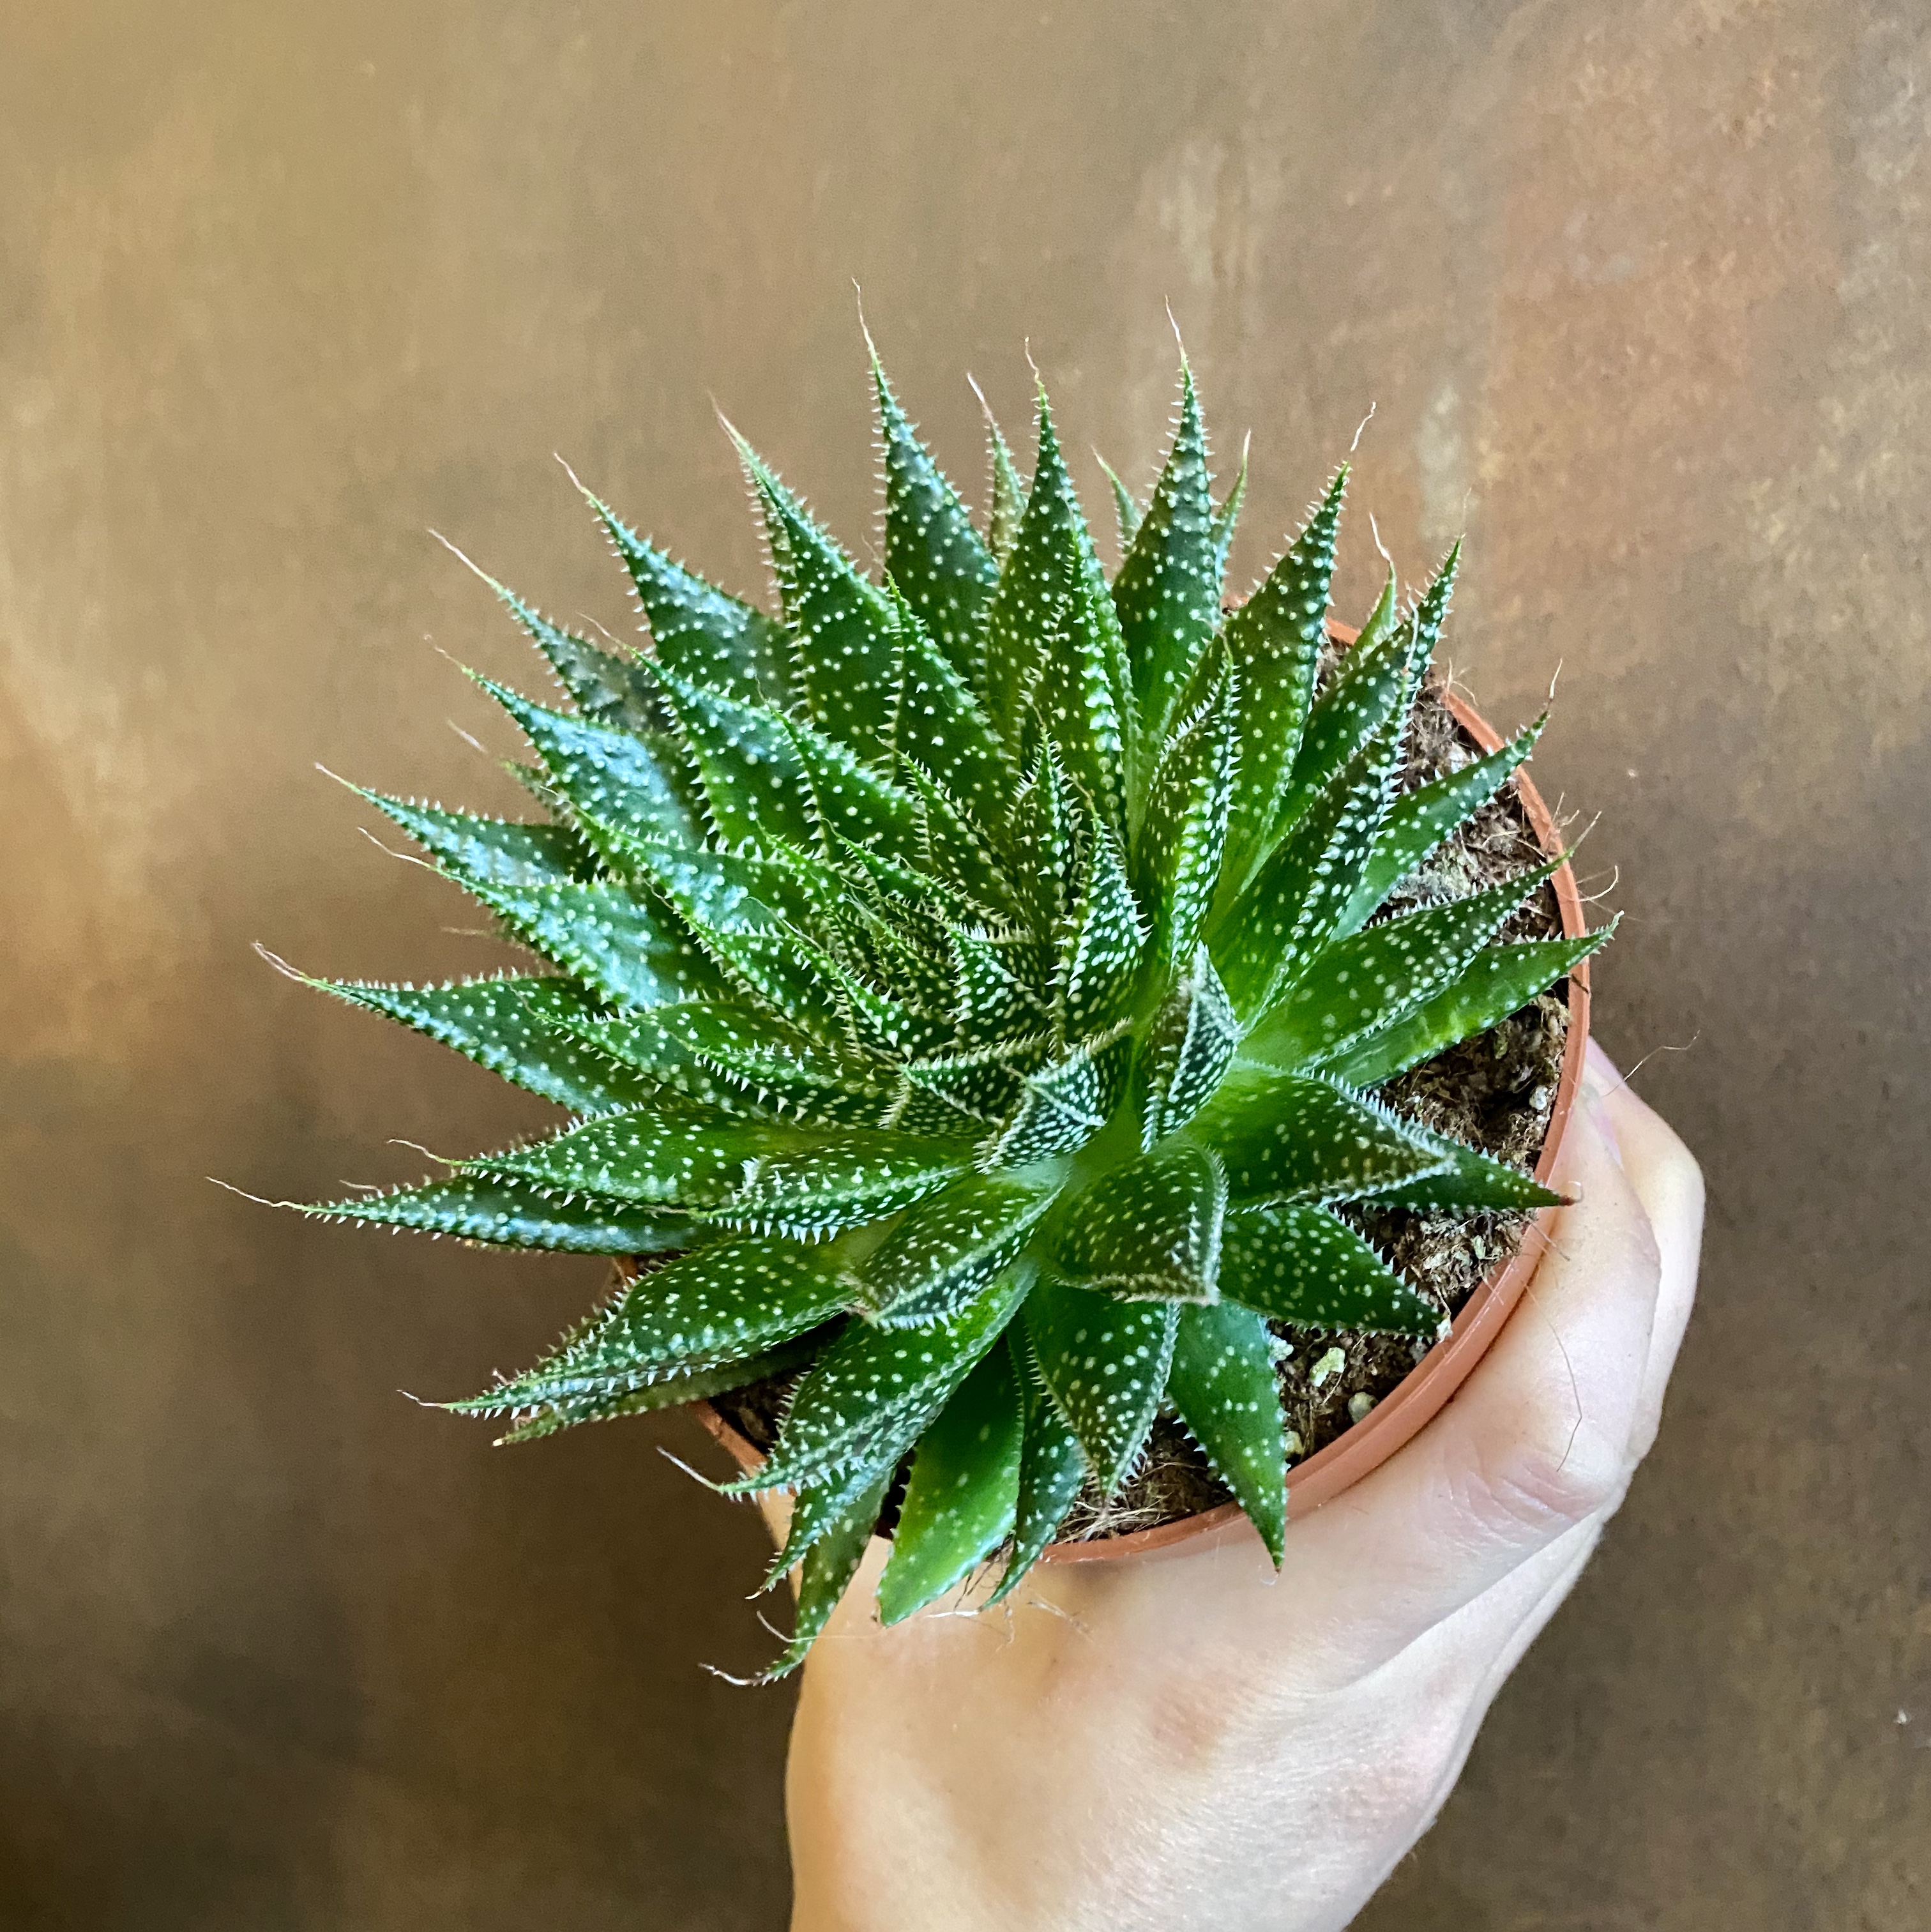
(1368, 1443)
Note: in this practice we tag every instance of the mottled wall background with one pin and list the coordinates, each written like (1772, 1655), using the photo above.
(1641, 296)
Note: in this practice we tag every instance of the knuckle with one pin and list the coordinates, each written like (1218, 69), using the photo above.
(1678, 1191)
(1649, 1422)
(1395, 1791)
(1670, 1173)
(1556, 1474)
(1687, 1172)
(1207, 1714)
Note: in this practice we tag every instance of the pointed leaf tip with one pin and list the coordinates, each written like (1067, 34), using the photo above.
(1223, 1383)
(830, 1566)
(843, 649)
(1052, 1470)
(965, 1490)
(1054, 658)
(698, 630)
(1168, 593)
(933, 554)
(1275, 641)
(1148, 1230)
(1105, 1361)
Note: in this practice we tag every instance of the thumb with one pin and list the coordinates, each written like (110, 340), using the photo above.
(1538, 1440)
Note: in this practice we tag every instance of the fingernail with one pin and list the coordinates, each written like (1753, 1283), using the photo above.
(1593, 1097)
(1606, 1128)
(1601, 1077)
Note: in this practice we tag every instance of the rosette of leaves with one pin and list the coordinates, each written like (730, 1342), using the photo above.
(972, 981)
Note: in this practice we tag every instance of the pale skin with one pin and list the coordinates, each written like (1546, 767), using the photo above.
(1185, 1739)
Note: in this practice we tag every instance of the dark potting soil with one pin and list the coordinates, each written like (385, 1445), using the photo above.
(1496, 1091)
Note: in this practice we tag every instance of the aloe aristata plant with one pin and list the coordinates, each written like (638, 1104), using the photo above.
(968, 990)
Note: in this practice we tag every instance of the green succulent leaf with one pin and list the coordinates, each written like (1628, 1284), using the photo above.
(817, 1509)
(1105, 1362)
(1375, 685)
(651, 1159)
(1006, 498)
(921, 904)
(699, 633)
(725, 900)
(475, 850)
(1373, 980)
(997, 998)
(787, 1074)
(870, 1396)
(790, 1071)
(507, 1211)
(1274, 639)
(893, 945)
(960, 1503)
(845, 642)
(652, 1045)
(607, 938)
(607, 688)
(954, 852)
(941, 1253)
(849, 801)
(512, 1026)
(846, 1180)
(1418, 821)
(1300, 898)
(919, 1110)
(1052, 1467)
(1499, 980)
(1168, 593)
(672, 1391)
(889, 954)
(943, 729)
(829, 1565)
(983, 1084)
(747, 765)
(1432, 613)
(1053, 649)
(1042, 834)
(744, 891)
(1127, 513)
(725, 1302)
(1079, 698)
(1147, 1230)
(1227, 518)
(614, 781)
(1184, 835)
(1101, 945)
(1292, 1137)
(1295, 1262)
(1223, 1383)
(1467, 1181)
(1062, 1105)
(1370, 689)
(1384, 619)
(883, 1023)
(946, 573)
(1188, 1050)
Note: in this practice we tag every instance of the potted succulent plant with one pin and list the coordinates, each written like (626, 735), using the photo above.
(1051, 1056)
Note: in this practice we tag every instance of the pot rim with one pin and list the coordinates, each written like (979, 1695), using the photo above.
(1422, 1393)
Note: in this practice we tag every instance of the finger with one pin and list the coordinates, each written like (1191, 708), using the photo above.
(1537, 1440)
(1483, 1642)
(1669, 1184)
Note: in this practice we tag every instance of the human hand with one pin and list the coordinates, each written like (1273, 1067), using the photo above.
(1185, 1738)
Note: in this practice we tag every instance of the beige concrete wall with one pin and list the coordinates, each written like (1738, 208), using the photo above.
(1641, 296)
